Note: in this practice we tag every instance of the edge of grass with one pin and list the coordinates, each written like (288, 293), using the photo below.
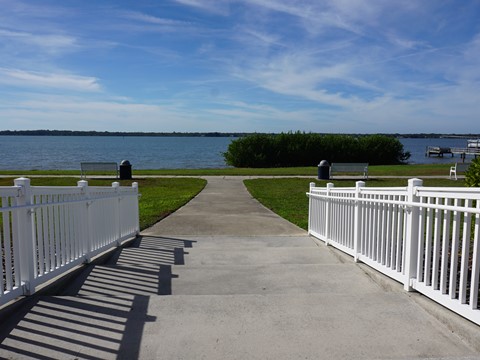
(375, 170)
(159, 196)
(287, 196)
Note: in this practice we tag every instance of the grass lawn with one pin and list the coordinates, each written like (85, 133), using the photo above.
(379, 170)
(160, 196)
(287, 198)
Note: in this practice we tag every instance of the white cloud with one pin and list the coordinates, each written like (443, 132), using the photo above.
(299, 75)
(263, 38)
(81, 113)
(403, 42)
(470, 70)
(318, 16)
(135, 22)
(27, 79)
(219, 7)
(51, 43)
(135, 15)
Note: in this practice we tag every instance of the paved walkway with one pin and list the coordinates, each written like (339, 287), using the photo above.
(225, 278)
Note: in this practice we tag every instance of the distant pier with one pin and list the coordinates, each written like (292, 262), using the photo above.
(437, 151)
(463, 152)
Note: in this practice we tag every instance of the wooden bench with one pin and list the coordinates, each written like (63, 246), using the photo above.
(457, 169)
(98, 166)
(336, 168)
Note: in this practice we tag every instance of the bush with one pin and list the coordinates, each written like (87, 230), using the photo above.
(251, 151)
(383, 150)
(472, 175)
(301, 149)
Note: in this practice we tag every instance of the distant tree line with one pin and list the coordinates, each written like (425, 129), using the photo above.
(437, 136)
(115, 133)
(307, 149)
(44, 132)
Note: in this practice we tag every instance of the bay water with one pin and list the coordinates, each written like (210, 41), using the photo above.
(144, 152)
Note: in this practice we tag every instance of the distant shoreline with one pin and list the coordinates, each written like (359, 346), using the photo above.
(115, 133)
(198, 134)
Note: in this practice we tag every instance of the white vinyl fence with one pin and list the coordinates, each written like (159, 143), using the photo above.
(45, 231)
(426, 238)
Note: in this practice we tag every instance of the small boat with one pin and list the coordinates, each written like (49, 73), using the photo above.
(473, 143)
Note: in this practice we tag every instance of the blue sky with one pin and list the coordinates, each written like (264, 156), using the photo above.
(340, 66)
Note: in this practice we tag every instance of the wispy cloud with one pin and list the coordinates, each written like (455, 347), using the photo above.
(99, 113)
(470, 71)
(51, 43)
(219, 7)
(263, 38)
(404, 43)
(135, 15)
(28, 79)
(318, 16)
(12, 11)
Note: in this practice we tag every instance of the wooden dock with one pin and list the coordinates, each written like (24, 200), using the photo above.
(463, 152)
(437, 151)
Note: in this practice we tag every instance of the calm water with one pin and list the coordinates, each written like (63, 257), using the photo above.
(66, 152)
(417, 148)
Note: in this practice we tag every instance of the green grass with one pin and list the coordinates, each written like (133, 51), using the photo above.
(41, 172)
(411, 170)
(287, 198)
(160, 196)
(379, 170)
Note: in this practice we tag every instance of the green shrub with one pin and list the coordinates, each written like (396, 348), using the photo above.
(251, 151)
(382, 150)
(472, 175)
(307, 149)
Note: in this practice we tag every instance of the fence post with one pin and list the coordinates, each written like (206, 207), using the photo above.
(357, 222)
(312, 185)
(411, 236)
(327, 214)
(87, 247)
(26, 237)
(136, 212)
(117, 204)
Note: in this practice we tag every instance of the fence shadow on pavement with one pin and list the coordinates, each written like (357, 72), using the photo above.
(102, 313)
(83, 327)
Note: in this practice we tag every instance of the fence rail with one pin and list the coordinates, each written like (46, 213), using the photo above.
(45, 231)
(426, 238)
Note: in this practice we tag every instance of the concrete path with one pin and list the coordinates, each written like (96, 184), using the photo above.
(224, 207)
(225, 278)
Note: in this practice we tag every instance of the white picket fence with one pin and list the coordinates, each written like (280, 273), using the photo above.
(45, 231)
(426, 238)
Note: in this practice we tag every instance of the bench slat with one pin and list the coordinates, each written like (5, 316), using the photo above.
(98, 166)
(349, 167)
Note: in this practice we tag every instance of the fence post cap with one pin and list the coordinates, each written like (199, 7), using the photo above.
(360, 184)
(22, 181)
(82, 183)
(415, 182)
